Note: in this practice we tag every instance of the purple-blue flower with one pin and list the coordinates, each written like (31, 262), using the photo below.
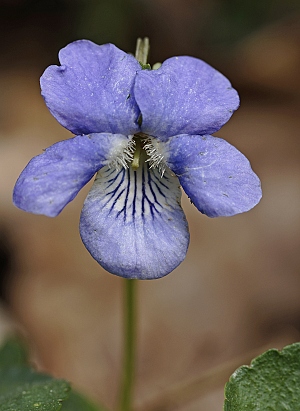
(143, 133)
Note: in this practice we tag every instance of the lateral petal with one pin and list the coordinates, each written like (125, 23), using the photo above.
(215, 175)
(184, 96)
(52, 179)
(91, 92)
(132, 222)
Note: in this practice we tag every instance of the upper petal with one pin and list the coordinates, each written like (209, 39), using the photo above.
(214, 174)
(185, 95)
(132, 222)
(52, 179)
(91, 92)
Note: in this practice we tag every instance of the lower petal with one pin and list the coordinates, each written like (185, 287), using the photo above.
(132, 222)
(52, 179)
(215, 175)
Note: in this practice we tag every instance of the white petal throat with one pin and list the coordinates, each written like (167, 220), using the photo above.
(137, 194)
(143, 146)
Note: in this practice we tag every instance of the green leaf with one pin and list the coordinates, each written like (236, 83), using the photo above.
(42, 396)
(15, 377)
(23, 389)
(77, 402)
(13, 352)
(270, 383)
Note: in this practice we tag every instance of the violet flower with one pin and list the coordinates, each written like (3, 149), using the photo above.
(145, 133)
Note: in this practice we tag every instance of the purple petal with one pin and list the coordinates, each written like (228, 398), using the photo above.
(91, 92)
(52, 179)
(184, 96)
(132, 223)
(214, 174)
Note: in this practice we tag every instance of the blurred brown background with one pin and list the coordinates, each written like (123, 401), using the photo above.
(239, 288)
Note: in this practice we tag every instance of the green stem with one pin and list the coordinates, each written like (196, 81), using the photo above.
(142, 50)
(126, 392)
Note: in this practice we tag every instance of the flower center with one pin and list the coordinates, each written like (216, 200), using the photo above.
(147, 150)
(139, 150)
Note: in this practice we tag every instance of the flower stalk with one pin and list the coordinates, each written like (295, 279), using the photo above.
(142, 50)
(127, 383)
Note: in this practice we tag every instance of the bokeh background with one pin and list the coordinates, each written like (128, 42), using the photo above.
(238, 291)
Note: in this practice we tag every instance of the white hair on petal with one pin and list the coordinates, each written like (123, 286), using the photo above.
(125, 158)
(155, 159)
